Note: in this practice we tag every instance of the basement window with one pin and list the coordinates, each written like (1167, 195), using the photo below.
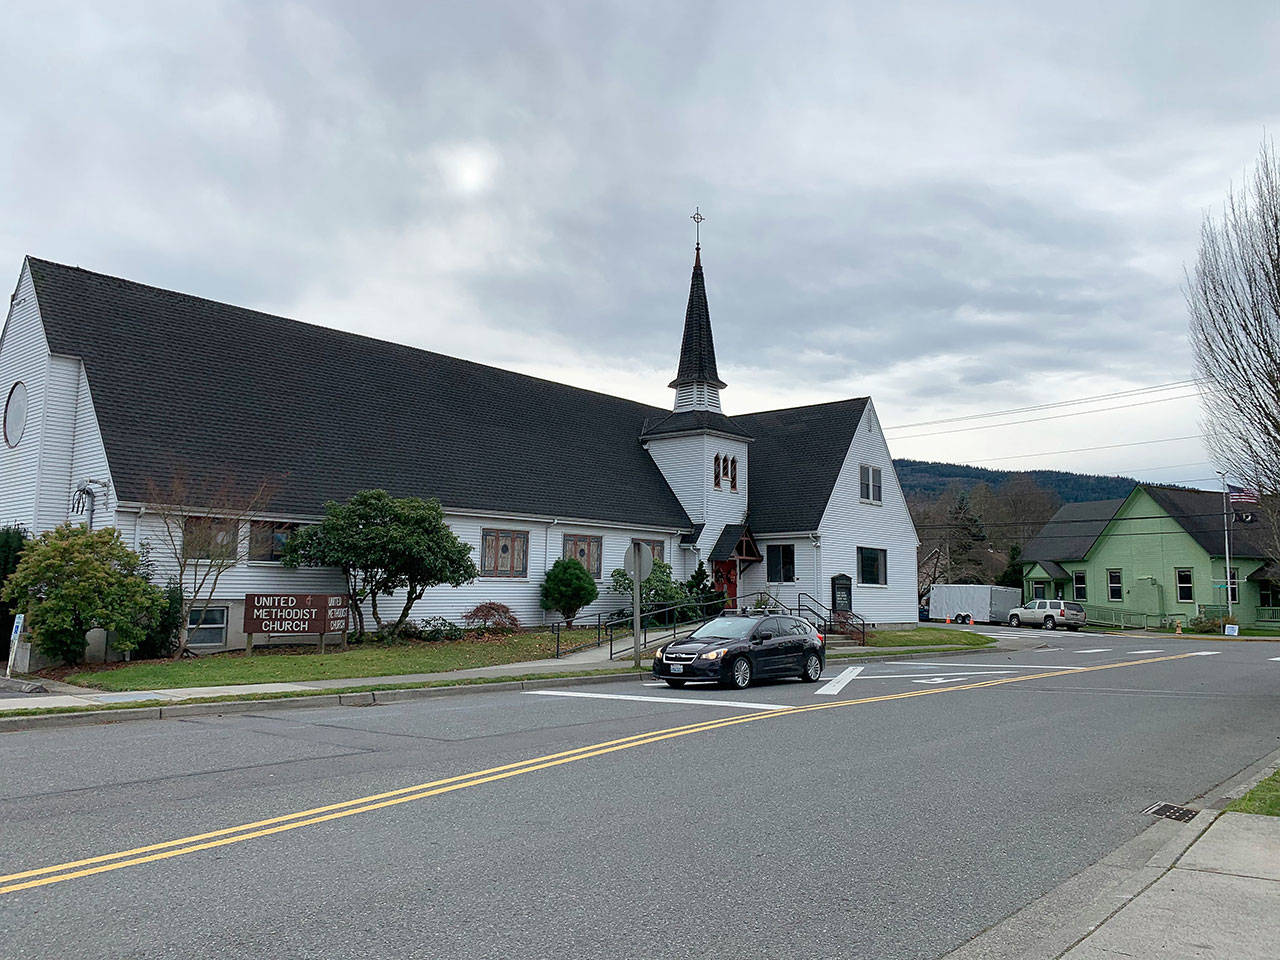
(207, 627)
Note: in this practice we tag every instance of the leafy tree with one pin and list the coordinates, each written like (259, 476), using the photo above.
(963, 537)
(492, 617)
(382, 544)
(656, 590)
(568, 588)
(164, 631)
(1012, 576)
(13, 540)
(71, 580)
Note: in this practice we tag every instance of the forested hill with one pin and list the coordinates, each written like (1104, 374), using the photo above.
(922, 479)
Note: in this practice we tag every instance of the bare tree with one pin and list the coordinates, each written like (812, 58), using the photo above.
(1233, 296)
(204, 527)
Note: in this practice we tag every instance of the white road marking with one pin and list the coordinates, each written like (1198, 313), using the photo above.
(1275, 658)
(838, 684)
(1016, 666)
(940, 679)
(1135, 652)
(1094, 650)
(913, 676)
(1205, 653)
(623, 696)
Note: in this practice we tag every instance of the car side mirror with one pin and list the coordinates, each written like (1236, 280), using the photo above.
(764, 636)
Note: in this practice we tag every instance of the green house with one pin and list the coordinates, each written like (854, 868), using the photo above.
(1155, 557)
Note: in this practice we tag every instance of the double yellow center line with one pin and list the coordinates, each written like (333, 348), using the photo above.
(43, 876)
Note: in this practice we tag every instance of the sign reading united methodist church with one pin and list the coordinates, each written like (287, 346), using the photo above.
(296, 613)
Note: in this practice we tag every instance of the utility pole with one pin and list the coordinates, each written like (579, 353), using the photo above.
(1226, 540)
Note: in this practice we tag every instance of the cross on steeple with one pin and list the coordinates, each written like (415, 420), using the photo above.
(697, 219)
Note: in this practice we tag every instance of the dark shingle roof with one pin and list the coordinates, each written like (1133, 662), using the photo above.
(727, 542)
(185, 384)
(691, 420)
(1071, 531)
(1199, 512)
(697, 351)
(796, 456)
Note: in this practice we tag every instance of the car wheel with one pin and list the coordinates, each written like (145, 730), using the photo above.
(1050, 623)
(677, 684)
(739, 674)
(812, 671)
(1015, 621)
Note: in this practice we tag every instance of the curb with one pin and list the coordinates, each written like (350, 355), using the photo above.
(1065, 916)
(371, 698)
(22, 686)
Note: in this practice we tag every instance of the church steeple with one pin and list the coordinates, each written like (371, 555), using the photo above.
(697, 383)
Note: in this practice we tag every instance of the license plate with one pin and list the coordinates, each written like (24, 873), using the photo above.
(677, 668)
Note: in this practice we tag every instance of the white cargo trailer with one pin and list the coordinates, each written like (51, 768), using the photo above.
(972, 602)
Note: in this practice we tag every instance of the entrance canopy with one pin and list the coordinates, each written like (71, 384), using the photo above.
(736, 543)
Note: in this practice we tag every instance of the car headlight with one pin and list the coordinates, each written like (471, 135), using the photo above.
(714, 654)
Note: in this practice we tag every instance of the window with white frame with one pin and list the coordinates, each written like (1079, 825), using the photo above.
(585, 549)
(870, 483)
(873, 567)
(207, 627)
(209, 538)
(1184, 578)
(1078, 582)
(267, 539)
(1115, 586)
(1038, 589)
(1233, 584)
(780, 562)
(504, 553)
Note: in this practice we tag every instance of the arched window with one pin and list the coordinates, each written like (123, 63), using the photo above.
(733, 474)
(717, 473)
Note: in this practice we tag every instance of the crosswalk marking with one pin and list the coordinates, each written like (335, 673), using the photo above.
(838, 684)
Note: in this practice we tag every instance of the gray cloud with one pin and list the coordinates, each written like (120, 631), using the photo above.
(952, 207)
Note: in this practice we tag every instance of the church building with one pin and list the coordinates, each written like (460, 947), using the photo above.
(114, 390)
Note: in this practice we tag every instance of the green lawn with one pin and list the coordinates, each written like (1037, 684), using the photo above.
(1263, 799)
(364, 660)
(925, 636)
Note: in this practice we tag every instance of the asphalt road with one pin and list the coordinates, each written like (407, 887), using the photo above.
(868, 827)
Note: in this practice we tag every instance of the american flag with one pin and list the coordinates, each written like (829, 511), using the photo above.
(1242, 495)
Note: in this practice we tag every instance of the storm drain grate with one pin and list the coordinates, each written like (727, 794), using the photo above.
(1171, 811)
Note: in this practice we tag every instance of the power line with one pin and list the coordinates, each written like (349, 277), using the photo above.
(1157, 388)
(1059, 416)
(1107, 446)
(1216, 514)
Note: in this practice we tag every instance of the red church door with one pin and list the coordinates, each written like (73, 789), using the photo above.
(726, 579)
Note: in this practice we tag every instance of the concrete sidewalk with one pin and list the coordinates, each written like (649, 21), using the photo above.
(1221, 899)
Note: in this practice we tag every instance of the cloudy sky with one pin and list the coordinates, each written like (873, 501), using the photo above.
(955, 208)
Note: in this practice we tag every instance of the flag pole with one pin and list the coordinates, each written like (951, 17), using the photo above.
(1226, 539)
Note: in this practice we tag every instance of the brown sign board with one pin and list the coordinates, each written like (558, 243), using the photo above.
(295, 613)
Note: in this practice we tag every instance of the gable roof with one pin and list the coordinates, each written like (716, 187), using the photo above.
(1199, 512)
(697, 350)
(796, 456)
(1070, 532)
(185, 384)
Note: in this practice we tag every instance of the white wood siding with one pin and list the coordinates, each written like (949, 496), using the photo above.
(24, 356)
(522, 594)
(755, 578)
(57, 442)
(89, 456)
(849, 523)
(682, 460)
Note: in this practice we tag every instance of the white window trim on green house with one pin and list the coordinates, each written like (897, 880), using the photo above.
(1079, 586)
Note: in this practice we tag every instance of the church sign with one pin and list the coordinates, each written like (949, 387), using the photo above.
(295, 613)
(842, 593)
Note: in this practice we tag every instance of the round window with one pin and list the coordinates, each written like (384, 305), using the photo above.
(15, 414)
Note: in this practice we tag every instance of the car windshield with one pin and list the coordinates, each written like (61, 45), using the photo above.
(724, 628)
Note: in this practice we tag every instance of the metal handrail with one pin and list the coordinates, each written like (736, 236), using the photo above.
(607, 624)
(830, 618)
